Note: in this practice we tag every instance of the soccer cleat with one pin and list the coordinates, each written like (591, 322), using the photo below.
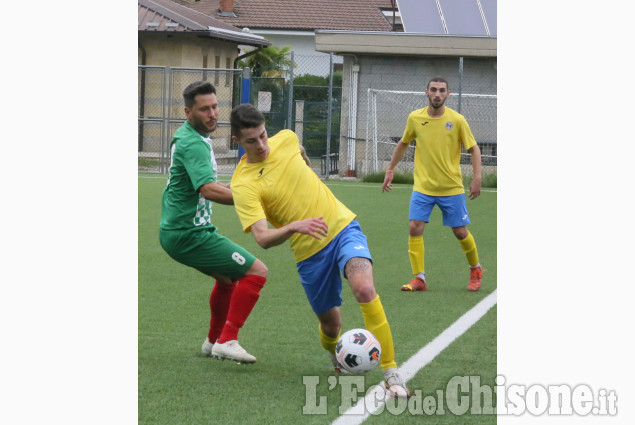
(416, 284)
(395, 385)
(336, 365)
(476, 274)
(207, 347)
(233, 351)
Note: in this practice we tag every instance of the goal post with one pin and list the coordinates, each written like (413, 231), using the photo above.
(388, 111)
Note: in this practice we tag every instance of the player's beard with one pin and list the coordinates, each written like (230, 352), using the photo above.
(204, 127)
(436, 105)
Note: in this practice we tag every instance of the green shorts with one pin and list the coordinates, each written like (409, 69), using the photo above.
(207, 251)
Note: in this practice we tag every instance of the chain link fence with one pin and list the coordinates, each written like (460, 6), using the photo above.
(151, 112)
(161, 113)
(342, 132)
(307, 99)
(387, 113)
(307, 103)
(382, 91)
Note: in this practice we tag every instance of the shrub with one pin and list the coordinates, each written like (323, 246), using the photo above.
(489, 180)
(405, 178)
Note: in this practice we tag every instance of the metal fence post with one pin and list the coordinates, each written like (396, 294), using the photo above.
(460, 81)
(290, 114)
(168, 104)
(328, 119)
(165, 148)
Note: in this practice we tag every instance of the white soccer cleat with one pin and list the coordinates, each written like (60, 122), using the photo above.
(395, 385)
(207, 347)
(233, 351)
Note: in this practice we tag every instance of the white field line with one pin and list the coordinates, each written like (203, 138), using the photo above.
(424, 356)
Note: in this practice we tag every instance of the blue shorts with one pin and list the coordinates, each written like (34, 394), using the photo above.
(453, 207)
(320, 274)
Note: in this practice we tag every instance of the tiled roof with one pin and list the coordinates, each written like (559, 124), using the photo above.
(166, 15)
(355, 15)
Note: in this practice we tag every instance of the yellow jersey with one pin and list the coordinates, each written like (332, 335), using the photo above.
(437, 170)
(283, 189)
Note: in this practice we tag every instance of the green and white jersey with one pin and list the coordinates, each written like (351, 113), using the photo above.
(192, 165)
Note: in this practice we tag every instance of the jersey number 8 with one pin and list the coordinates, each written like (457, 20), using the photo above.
(238, 258)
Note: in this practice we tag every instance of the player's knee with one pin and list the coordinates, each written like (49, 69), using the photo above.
(332, 328)
(365, 293)
(460, 232)
(258, 268)
(416, 227)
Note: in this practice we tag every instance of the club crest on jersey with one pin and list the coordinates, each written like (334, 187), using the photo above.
(449, 125)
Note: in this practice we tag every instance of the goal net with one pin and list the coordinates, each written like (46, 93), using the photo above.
(388, 111)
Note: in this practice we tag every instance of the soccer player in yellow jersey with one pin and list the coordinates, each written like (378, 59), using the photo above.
(440, 132)
(273, 183)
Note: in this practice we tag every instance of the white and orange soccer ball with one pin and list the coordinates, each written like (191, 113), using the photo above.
(358, 351)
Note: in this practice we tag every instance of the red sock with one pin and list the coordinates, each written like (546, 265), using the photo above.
(219, 305)
(242, 302)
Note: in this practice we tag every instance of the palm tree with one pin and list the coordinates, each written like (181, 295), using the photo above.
(271, 61)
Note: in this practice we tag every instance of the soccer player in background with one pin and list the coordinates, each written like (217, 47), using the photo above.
(188, 235)
(274, 183)
(440, 132)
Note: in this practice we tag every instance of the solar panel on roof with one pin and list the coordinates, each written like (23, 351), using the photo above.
(452, 17)
(463, 17)
(420, 16)
(489, 10)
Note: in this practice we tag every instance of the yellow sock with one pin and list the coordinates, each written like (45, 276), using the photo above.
(327, 342)
(415, 252)
(376, 322)
(469, 247)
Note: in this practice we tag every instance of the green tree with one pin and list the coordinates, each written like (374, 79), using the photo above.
(314, 88)
(268, 68)
(271, 61)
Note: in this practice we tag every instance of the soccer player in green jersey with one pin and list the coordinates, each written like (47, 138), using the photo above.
(272, 183)
(440, 132)
(188, 235)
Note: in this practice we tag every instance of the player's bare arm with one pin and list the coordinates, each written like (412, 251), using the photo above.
(475, 187)
(267, 237)
(217, 192)
(306, 158)
(397, 155)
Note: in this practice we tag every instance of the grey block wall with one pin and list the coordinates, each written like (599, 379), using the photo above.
(406, 73)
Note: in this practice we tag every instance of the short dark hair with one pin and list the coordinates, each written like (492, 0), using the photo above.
(196, 88)
(438, 80)
(245, 116)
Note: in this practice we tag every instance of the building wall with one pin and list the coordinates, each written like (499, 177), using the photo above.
(186, 51)
(302, 43)
(406, 73)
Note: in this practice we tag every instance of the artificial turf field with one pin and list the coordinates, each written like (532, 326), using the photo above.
(179, 385)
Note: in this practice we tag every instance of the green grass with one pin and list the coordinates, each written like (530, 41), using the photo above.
(178, 385)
